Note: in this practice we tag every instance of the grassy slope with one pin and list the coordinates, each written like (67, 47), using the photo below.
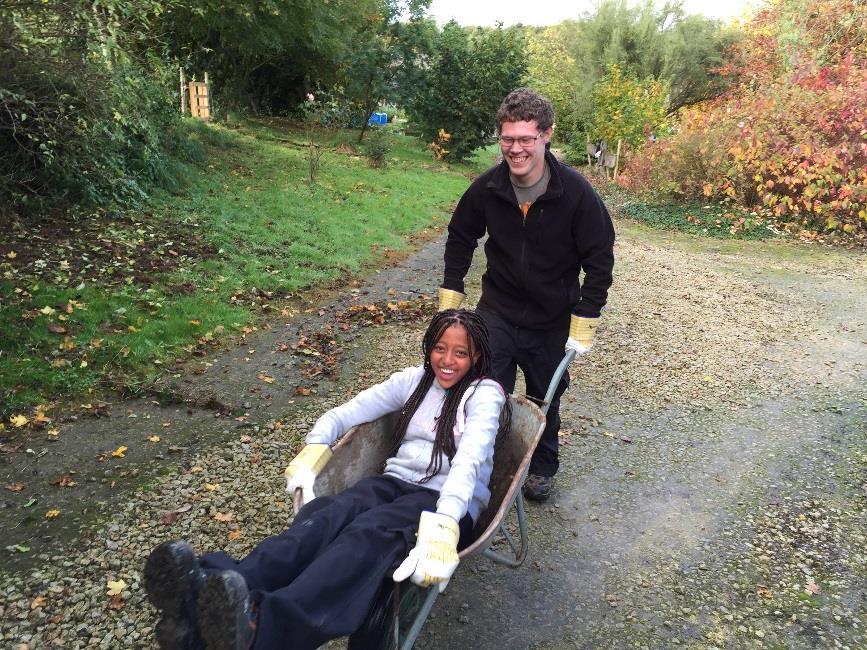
(115, 299)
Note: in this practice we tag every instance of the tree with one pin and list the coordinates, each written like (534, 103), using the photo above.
(627, 108)
(378, 54)
(644, 42)
(82, 115)
(469, 74)
(786, 140)
(694, 57)
(264, 56)
(553, 71)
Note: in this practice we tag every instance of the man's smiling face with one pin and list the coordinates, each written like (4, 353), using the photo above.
(526, 162)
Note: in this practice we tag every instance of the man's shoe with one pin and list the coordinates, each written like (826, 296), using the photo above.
(172, 580)
(224, 612)
(538, 488)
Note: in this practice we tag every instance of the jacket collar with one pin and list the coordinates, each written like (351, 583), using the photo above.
(501, 184)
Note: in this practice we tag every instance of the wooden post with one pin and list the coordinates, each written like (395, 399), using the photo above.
(208, 94)
(617, 159)
(183, 92)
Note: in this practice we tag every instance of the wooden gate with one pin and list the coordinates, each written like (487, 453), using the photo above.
(199, 103)
(199, 97)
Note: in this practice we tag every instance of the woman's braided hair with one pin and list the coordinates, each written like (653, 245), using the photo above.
(477, 335)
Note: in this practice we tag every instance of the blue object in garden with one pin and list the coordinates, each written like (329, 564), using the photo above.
(378, 119)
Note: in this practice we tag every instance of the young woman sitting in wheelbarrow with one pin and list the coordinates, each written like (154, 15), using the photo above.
(318, 579)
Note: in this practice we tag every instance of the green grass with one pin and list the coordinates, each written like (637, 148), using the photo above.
(126, 295)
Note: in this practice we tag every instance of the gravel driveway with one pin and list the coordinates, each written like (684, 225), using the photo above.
(712, 490)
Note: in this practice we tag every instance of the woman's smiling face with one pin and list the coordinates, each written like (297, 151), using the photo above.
(451, 357)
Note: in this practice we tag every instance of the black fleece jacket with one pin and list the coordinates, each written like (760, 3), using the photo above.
(532, 278)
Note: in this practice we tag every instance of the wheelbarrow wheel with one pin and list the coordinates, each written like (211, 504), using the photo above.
(377, 633)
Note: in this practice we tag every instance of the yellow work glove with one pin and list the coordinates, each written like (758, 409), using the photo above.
(304, 468)
(581, 332)
(450, 299)
(435, 556)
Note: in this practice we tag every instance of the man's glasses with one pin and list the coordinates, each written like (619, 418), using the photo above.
(525, 140)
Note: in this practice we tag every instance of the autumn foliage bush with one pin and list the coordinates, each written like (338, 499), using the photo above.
(790, 139)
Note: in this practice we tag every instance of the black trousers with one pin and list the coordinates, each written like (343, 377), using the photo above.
(537, 353)
(318, 579)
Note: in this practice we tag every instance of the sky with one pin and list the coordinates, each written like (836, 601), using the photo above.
(550, 12)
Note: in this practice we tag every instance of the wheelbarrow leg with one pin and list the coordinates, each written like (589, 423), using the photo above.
(418, 621)
(519, 552)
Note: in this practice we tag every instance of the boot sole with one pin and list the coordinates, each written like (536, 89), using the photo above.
(223, 605)
(169, 577)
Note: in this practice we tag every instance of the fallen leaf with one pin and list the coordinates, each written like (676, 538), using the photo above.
(116, 602)
(41, 418)
(246, 438)
(116, 587)
(301, 390)
(18, 421)
(63, 481)
(51, 514)
(234, 534)
(53, 432)
(56, 328)
(120, 451)
(153, 438)
(14, 487)
(613, 599)
(37, 602)
(764, 592)
(210, 487)
(168, 517)
(219, 516)
(266, 378)
(812, 588)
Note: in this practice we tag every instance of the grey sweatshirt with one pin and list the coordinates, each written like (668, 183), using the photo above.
(463, 483)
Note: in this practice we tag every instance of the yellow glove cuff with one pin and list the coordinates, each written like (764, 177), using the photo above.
(313, 458)
(450, 299)
(583, 329)
(435, 528)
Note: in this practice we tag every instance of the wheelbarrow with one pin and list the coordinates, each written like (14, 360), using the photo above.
(362, 452)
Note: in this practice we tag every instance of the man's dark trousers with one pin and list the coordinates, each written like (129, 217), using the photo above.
(537, 353)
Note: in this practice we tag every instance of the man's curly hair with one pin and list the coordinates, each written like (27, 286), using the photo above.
(525, 104)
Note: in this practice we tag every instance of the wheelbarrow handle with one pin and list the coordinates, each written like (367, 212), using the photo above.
(555, 380)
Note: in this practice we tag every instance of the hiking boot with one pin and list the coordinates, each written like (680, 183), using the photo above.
(224, 612)
(538, 488)
(172, 580)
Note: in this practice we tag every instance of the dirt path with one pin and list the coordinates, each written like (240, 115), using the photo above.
(712, 492)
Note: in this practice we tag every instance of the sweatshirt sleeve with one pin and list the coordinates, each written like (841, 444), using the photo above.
(476, 445)
(368, 405)
(466, 227)
(594, 237)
